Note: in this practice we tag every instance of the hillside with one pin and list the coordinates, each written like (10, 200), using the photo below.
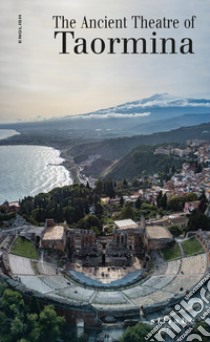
(112, 149)
(142, 160)
(127, 157)
(104, 156)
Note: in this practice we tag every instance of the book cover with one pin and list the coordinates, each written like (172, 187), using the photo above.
(116, 91)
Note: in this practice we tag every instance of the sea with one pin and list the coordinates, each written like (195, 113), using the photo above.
(27, 170)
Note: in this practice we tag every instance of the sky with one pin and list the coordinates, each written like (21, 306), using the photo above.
(36, 82)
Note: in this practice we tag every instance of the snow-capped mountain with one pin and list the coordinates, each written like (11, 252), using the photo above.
(160, 112)
(145, 107)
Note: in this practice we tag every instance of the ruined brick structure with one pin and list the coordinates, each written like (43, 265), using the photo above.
(129, 240)
(53, 236)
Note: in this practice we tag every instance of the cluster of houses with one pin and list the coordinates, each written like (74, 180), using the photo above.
(182, 182)
(188, 180)
(197, 147)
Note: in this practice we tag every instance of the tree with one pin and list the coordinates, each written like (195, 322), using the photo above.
(198, 220)
(12, 303)
(27, 205)
(121, 201)
(20, 323)
(90, 221)
(50, 324)
(99, 210)
(175, 230)
(163, 202)
(136, 333)
(109, 188)
(138, 203)
(33, 327)
(125, 184)
(39, 214)
(159, 198)
(203, 202)
(190, 196)
(99, 188)
(176, 203)
(34, 305)
(17, 328)
(128, 211)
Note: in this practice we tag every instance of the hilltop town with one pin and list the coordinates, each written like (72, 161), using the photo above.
(116, 251)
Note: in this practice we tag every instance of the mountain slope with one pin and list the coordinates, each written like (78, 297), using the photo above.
(160, 112)
(129, 156)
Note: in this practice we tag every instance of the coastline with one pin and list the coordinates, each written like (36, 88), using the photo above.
(8, 133)
(75, 171)
(29, 170)
(24, 138)
(70, 165)
(68, 162)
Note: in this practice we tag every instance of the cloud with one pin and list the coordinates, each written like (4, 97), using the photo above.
(163, 100)
(112, 115)
(136, 109)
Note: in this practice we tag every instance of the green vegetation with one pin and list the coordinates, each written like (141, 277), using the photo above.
(6, 217)
(80, 205)
(105, 187)
(175, 230)
(192, 246)
(204, 325)
(176, 203)
(198, 220)
(27, 322)
(128, 212)
(143, 160)
(24, 248)
(70, 204)
(136, 210)
(136, 333)
(91, 222)
(121, 150)
(171, 252)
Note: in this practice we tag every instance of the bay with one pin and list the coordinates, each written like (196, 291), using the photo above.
(28, 170)
(7, 133)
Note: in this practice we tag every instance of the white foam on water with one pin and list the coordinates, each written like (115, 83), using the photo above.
(29, 170)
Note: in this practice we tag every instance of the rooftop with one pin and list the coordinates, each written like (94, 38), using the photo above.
(158, 232)
(126, 224)
(54, 233)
